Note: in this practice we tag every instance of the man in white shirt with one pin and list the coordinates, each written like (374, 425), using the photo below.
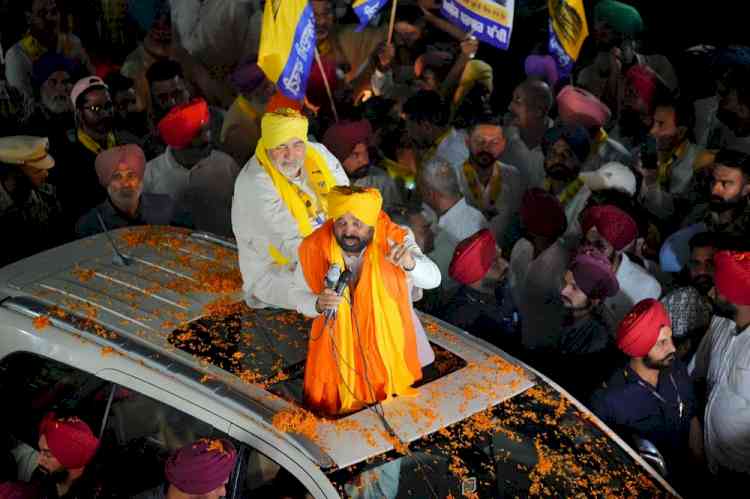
(613, 232)
(454, 219)
(487, 184)
(280, 199)
(723, 363)
(197, 177)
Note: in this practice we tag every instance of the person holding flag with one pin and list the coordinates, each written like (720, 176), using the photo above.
(279, 198)
(567, 31)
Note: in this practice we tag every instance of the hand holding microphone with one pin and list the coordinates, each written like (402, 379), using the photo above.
(329, 300)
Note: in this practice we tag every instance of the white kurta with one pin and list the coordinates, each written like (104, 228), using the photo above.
(636, 284)
(261, 219)
(425, 275)
(723, 360)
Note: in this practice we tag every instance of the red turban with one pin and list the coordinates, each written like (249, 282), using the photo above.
(616, 226)
(733, 276)
(70, 440)
(594, 275)
(19, 490)
(201, 467)
(542, 214)
(639, 330)
(281, 101)
(342, 137)
(183, 123)
(473, 257)
(129, 155)
(644, 80)
(316, 88)
(577, 106)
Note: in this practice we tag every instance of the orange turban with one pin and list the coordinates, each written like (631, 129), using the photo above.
(364, 204)
(733, 276)
(183, 123)
(639, 330)
(70, 440)
(473, 257)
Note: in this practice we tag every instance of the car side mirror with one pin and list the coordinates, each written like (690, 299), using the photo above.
(650, 454)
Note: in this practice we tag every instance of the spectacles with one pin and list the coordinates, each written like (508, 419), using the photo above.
(100, 109)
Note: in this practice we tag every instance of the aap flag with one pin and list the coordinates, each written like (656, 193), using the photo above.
(287, 45)
(567, 31)
(490, 21)
(366, 10)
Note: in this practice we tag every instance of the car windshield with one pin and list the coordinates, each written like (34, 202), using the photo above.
(535, 444)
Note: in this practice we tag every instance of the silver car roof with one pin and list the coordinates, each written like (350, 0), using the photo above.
(175, 277)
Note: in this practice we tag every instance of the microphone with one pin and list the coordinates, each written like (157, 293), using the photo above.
(332, 277)
(341, 285)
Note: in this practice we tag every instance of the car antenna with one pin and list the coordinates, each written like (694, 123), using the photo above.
(118, 257)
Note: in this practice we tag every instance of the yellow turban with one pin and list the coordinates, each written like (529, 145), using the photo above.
(282, 126)
(364, 204)
(475, 71)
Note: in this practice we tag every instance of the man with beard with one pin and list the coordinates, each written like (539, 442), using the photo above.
(641, 87)
(130, 124)
(279, 199)
(350, 141)
(729, 209)
(53, 115)
(76, 180)
(652, 396)
(733, 89)
(722, 362)
(489, 185)
(529, 110)
(350, 334)
(120, 171)
(66, 448)
(476, 307)
(44, 36)
(613, 232)
(199, 178)
(565, 149)
(667, 181)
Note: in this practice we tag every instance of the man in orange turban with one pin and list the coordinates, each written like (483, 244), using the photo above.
(652, 396)
(366, 345)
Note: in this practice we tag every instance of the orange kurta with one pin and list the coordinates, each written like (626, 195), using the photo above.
(369, 353)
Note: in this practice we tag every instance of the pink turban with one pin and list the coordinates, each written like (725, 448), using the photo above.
(108, 161)
(594, 275)
(542, 214)
(342, 138)
(70, 440)
(183, 123)
(640, 329)
(580, 107)
(473, 257)
(543, 66)
(616, 226)
(733, 276)
(201, 467)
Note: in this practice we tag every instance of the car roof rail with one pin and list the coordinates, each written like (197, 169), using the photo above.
(213, 238)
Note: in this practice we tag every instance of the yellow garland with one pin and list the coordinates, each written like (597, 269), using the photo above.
(664, 169)
(568, 193)
(477, 189)
(93, 145)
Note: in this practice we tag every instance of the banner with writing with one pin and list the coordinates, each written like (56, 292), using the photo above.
(366, 10)
(491, 21)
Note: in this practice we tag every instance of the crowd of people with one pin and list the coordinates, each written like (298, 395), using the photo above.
(595, 224)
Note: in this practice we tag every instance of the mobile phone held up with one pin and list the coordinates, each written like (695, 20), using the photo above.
(649, 157)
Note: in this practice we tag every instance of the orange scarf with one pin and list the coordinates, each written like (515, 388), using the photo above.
(370, 354)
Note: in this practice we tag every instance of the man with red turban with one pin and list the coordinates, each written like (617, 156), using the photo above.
(120, 171)
(613, 232)
(199, 178)
(476, 307)
(199, 470)
(371, 326)
(652, 396)
(66, 447)
(350, 142)
(722, 362)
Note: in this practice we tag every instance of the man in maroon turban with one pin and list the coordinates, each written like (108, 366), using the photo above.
(66, 447)
(199, 470)
(652, 396)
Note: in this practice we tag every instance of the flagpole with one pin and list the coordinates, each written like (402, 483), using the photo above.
(393, 21)
(325, 82)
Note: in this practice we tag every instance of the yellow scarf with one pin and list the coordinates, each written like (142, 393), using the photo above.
(478, 190)
(430, 153)
(598, 142)
(664, 168)
(568, 193)
(398, 171)
(246, 107)
(34, 50)
(303, 208)
(93, 145)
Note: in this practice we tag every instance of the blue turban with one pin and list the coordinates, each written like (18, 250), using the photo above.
(575, 136)
(51, 63)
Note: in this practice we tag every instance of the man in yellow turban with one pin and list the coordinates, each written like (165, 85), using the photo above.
(366, 345)
(279, 198)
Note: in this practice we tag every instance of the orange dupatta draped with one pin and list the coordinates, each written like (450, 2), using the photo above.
(375, 344)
